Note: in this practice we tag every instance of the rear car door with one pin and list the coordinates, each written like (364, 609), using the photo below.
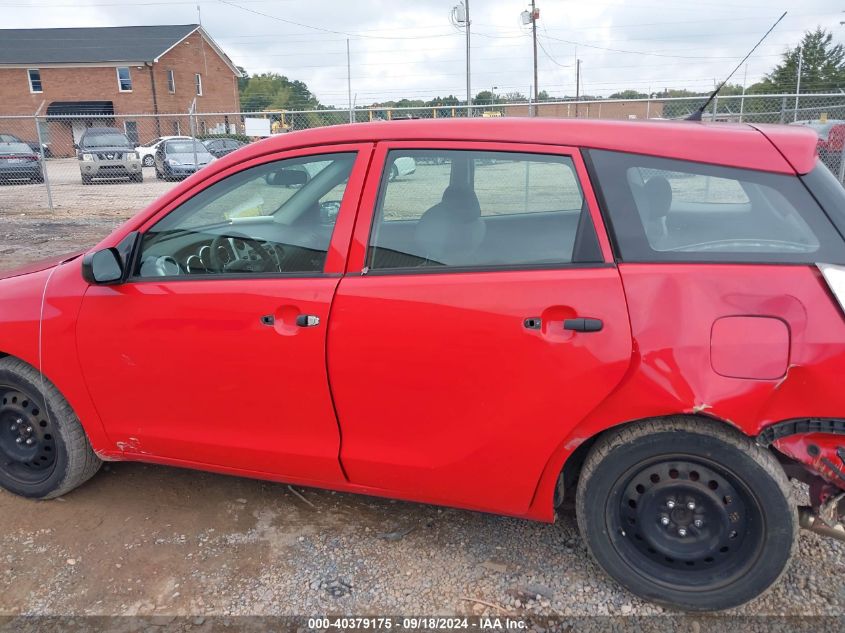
(213, 352)
(480, 319)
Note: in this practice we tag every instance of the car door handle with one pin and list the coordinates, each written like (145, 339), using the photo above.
(583, 325)
(307, 320)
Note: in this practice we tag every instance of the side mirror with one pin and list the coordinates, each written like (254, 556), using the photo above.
(102, 267)
(286, 178)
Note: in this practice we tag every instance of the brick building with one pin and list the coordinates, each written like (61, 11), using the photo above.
(83, 77)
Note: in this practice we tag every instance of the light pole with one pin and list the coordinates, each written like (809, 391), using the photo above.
(460, 16)
(532, 16)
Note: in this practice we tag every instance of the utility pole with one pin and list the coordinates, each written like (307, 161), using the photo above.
(798, 83)
(535, 14)
(469, 82)
(349, 83)
(532, 17)
(577, 85)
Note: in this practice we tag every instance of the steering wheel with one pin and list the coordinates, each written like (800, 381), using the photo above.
(264, 263)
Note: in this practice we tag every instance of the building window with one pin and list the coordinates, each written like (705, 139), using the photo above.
(198, 83)
(34, 80)
(171, 81)
(124, 79)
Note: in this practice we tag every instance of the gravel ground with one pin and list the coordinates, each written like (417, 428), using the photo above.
(144, 540)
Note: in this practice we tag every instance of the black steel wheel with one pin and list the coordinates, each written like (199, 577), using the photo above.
(687, 513)
(44, 452)
(27, 437)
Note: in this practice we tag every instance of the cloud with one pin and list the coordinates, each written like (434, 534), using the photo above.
(410, 49)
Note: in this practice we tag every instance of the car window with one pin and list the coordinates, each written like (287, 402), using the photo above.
(273, 218)
(105, 140)
(477, 208)
(184, 147)
(671, 210)
(15, 148)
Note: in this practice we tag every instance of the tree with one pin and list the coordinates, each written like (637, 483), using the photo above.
(543, 96)
(822, 66)
(628, 94)
(271, 91)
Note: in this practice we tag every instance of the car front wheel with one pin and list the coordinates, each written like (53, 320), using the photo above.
(44, 451)
(687, 513)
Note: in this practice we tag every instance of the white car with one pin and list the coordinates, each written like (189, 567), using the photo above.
(147, 151)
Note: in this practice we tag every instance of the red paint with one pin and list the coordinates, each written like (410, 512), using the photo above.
(428, 386)
(752, 347)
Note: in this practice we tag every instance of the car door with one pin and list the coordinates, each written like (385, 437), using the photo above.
(220, 359)
(481, 318)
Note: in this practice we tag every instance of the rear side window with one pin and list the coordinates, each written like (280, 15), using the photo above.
(462, 208)
(671, 210)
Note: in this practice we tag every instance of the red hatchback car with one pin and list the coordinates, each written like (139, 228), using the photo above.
(645, 318)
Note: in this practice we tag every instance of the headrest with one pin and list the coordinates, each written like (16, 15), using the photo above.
(658, 195)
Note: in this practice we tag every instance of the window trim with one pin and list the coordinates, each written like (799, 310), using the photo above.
(171, 81)
(32, 89)
(117, 73)
(338, 245)
(198, 84)
(358, 254)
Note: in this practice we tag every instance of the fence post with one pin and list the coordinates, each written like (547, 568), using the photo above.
(43, 158)
(842, 165)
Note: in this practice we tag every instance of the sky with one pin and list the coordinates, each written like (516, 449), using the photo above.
(404, 48)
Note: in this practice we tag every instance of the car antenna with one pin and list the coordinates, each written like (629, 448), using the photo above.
(696, 116)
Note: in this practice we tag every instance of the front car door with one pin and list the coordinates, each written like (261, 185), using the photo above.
(213, 352)
(456, 355)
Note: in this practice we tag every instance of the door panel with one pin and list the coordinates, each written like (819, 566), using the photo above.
(187, 370)
(444, 394)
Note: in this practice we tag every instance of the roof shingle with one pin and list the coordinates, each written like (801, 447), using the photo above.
(89, 45)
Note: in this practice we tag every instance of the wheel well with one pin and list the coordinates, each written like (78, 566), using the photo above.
(568, 479)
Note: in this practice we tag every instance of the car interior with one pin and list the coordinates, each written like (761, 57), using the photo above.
(459, 232)
(267, 219)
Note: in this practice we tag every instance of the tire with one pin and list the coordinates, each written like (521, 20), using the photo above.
(149, 161)
(139, 177)
(158, 174)
(86, 180)
(59, 458)
(729, 546)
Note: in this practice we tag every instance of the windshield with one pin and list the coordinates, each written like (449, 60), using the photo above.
(105, 140)
(185, 147)
(14, 148)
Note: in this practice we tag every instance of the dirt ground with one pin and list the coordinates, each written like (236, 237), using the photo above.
(140, 539)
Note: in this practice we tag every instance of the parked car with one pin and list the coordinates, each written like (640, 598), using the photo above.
(831, 135)
(19, 162)
(175, 158)
(643, 319)
(148, 150)
(219, 147)
(106, 153)
(33, 145)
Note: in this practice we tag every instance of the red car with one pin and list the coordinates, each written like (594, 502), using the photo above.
(643, 317)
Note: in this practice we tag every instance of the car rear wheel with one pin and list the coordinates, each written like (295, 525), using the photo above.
(149, 161)
(44, 451)
(687, 513)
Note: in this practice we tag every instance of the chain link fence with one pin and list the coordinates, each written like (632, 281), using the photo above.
(44, 167)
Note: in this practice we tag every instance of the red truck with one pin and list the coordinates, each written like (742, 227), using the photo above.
(643, 317)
